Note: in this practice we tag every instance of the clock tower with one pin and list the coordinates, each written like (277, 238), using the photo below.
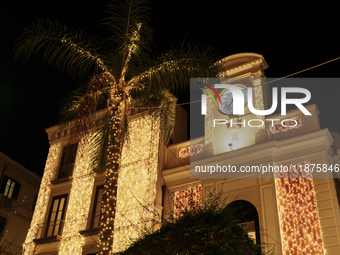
(232, 132)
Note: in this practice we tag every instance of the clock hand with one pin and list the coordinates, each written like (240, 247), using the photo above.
(230, 102)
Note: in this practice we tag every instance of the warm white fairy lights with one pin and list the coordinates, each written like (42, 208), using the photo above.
(190, 151)
(135, 195)
(291, 123)
(78, 204)
(258, 99)
(137, 182)
(298, 213)
(187, 199)
(208, 125)
(43, 197)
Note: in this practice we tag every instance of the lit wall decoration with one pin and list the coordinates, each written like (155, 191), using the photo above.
(186, 199)
(189, 151)
(184, 152)
(208, 124)
(196, 149)
(298, 213)
(258, 98)
(137, 180)
(292, 123)
(258, 95)
(78, 204)
(43, 196)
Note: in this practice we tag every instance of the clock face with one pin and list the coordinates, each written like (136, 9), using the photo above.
(227, 101)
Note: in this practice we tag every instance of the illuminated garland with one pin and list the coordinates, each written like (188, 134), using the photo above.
(258, 104)
(189, 151)
(208, 125)
(43, 197)
(184, 152)
(187, 199)
(298, 213)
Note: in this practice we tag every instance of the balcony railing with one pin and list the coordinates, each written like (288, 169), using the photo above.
(63, 173)
(6, 201)
(49, 231)
(90, 223)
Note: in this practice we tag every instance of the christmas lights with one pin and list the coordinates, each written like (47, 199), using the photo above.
(208, 125)
(286, 125)
(192, 150)
(137, 182)
(135, 195)
(187, 199)
(79, 203)
(298, 213)
(43, 197)
(258, 96)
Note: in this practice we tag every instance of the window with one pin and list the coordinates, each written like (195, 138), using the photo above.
(55, 221)
(9, 188)
(248, 218)
(67, 160)
(95, 217)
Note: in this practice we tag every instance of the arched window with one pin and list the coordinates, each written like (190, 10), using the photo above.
(247, 215)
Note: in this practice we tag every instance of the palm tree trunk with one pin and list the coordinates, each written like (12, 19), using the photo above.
(117, 113)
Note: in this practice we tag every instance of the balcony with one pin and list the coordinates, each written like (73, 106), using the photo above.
(5, 201)
(90, 224)
(49, 231)
(64, 173)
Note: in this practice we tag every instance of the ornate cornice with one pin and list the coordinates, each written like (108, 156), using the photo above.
(243, 62)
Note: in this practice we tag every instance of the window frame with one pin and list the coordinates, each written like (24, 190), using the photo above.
(16, 188)
(94, 208)
(61, 224)
(67, 161)
(247, 213)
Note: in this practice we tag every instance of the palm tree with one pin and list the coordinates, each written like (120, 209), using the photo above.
(118, 73)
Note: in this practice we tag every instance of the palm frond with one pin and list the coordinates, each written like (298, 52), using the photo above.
(173, 69)
(70, 105)
(162, 106)
(129, 23)
(167, 115)
(99, 142)
(81, 106)
(72, 52)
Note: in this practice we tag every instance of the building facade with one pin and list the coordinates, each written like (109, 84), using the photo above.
(290, 215)
(18, 193)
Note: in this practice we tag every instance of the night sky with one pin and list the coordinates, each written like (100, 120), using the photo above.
(291, 38)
